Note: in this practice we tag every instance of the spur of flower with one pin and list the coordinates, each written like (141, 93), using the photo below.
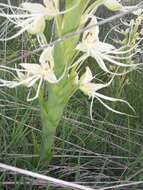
(33, 73)
(102, 52)
(91, 90)
(31, 17)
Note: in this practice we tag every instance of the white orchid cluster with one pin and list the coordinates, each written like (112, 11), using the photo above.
(32, 17)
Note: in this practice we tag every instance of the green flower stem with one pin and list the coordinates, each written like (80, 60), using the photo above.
(51, 113)
(58, 95)
(63, 52)
(71, 23)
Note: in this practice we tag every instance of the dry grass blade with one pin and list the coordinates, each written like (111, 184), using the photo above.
(51, 180)
(122, 185)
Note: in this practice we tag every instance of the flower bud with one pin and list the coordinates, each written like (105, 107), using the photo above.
(37, 26)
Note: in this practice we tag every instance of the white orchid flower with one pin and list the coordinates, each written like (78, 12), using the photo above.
(31, 17)
(32, 73)
(91, 90)
(101, 51)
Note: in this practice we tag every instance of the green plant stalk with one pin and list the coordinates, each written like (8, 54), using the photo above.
(59, 95)
(63, 52)
(52, 111)
(71, 23)
(50, 116)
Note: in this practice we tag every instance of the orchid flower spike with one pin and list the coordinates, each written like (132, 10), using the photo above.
(91, 90)
(101, 51)
(31, 17)
(32, 73)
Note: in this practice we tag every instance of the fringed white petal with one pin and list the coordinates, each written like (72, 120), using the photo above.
(9, 84)
(91, 106)
(104, 47)
(79, 62)
(20, 16)
(33, 7)
(37, 92)
(34, 69)
(119, 63)
(111, 109)
(113, 99)
(15, 35)
(41, 39)
(100, 62)
(32, 80)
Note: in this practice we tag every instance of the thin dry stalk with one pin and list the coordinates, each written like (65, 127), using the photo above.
(51, 180)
